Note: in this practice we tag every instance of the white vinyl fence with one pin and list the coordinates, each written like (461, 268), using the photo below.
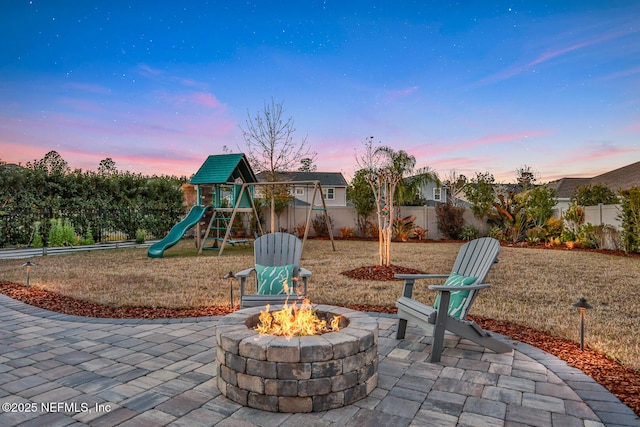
(600, 215)
(345, 216)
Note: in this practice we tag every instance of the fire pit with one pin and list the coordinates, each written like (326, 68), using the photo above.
(297, 374)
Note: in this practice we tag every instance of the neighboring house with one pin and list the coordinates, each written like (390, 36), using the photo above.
(333, 184)
(622, 178)
(434, 193)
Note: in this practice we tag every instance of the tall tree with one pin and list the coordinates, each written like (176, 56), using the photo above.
(360, 194)
(594, 194)
(271, 148)
(481, 193)
(526, 177)
(306, 165)
(107, 167)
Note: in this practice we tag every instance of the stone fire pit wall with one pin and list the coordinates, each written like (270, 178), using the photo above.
(300, 374)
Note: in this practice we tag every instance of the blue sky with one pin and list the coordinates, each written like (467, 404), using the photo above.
(465, 86)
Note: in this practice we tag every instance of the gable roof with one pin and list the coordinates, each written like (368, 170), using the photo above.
(566, 187)
(622, 178)
(224, 169)
(332, 179)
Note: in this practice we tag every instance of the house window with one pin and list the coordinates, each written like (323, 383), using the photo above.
(437, 194)
(328, 193)
(299, 191)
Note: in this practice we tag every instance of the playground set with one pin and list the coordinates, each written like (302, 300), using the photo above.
(225, 186)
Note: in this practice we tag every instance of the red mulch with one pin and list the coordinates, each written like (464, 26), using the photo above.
(622, 381)
(379, 272)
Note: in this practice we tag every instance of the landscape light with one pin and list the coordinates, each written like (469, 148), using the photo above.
(583, 305)
(230, 276)
(28, 266)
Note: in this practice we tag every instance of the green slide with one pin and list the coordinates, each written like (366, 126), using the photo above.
(177, 231)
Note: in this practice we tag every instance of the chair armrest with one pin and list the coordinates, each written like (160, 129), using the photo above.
(244, 273)
(444, 288)
(303, 272)
(410, 279)
(421, 276)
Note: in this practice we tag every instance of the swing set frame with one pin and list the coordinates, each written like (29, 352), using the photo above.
(247, 188)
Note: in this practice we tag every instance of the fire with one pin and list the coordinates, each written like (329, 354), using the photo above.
(292, 321)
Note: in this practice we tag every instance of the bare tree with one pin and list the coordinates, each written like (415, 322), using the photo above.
(455, 184)
(271, 148)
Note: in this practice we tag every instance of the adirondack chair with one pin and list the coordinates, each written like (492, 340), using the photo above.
(275, 251)
(470, 269)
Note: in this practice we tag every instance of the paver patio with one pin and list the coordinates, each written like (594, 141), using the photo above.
(57, 369)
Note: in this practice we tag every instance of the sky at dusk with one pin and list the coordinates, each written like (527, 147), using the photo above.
(467, 86)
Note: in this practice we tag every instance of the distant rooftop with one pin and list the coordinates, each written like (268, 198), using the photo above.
(333, 179)
(622, 178)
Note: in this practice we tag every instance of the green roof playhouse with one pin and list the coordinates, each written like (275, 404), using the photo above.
(222, 191)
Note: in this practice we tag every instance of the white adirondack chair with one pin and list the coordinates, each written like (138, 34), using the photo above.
(275, 250)
(474, 259)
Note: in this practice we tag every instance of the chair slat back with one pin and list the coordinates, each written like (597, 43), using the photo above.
(276, 249)
(476, 258)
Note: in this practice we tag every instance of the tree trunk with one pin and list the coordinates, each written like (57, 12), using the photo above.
(273, 214)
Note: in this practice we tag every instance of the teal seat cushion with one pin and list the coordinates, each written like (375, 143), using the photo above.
(271, 280)
(459, 299)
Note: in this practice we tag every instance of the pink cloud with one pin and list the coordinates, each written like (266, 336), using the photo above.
(549, 55)
(207, 100)
(620, 74)
(594, 153)
(432, 149)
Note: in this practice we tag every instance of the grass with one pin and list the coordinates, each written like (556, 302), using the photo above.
(531, 287)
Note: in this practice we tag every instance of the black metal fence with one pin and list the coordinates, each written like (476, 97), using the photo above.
(23, 227)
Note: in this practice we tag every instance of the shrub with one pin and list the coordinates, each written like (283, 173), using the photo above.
(574, 217)
(88, 237)
(320, 226)
(69, 237)
(402, 227)
(630, 217)
(469, 232)
(56, 237)
(496, 233)
(299, 229)
(553, 228)
(450, 220)
(347, 232)
(140, 236)
(535, 235)
(419, 233)
(372, 229)
(593, 194)
(37, 238)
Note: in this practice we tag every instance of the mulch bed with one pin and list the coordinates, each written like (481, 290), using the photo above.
(379, 272)
(622, 381)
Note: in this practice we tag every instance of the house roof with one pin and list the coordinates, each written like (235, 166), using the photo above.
(622, 178)
(224, 169)
(332, 179)
(566, 187)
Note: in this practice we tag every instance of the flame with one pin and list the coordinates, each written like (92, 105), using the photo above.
(292, 321)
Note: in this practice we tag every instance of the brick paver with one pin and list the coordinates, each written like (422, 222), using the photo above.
(63, 370)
